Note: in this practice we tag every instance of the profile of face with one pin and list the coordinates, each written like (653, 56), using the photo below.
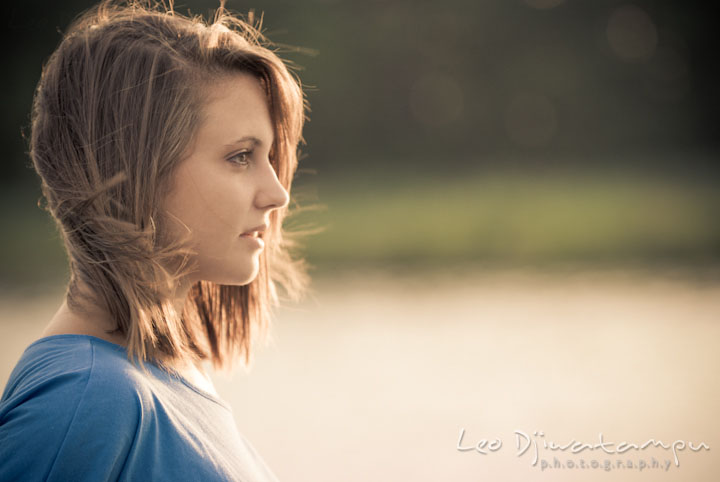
(225, 189)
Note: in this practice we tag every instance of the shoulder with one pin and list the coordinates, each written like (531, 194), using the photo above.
(68, 368)
(69, 398)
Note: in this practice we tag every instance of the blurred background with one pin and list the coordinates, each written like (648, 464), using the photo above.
(519, 214)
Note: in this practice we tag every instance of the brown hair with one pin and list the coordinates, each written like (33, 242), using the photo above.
(114, 112)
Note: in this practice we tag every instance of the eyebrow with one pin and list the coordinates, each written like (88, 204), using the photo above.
(255, 141)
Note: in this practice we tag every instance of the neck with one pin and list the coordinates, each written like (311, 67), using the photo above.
(91, 316)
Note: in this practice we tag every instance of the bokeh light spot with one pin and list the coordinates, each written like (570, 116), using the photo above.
(631, 33)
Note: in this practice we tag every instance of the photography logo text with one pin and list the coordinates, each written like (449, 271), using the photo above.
(649, 454)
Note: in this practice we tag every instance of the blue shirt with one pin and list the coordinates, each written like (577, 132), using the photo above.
(76, 409)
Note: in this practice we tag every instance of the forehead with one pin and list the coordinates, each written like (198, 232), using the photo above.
(235, 106)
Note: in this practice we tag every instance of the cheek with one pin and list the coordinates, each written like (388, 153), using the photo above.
(212, 207)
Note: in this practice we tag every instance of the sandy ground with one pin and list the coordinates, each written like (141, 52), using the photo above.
(375, 377)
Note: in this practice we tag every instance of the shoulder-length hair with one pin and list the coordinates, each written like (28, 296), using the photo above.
(115, 111)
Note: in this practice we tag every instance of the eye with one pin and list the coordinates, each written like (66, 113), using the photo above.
(241, 158)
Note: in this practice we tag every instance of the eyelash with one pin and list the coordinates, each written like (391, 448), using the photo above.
(242, 154)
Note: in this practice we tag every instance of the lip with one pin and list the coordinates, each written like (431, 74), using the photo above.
(256, 231)
(257, 243)
(254, 236)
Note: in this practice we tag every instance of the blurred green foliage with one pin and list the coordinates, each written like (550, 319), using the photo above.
(512, 218)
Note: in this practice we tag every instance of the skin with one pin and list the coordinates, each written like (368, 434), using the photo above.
(224, 188)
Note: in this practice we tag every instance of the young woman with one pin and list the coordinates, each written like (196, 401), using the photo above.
(166, 147)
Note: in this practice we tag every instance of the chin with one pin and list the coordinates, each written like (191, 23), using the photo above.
(247, 281)
(233, 275)
(248, 276)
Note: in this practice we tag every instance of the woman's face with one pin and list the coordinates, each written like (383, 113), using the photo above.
(226, 189)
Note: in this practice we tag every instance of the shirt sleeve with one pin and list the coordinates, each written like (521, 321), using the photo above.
(66, 424)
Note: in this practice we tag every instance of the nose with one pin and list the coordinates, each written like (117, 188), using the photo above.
(272, 194)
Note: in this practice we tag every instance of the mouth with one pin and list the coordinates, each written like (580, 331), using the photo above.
(255, 236)
(254, 240)
(256, 232)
